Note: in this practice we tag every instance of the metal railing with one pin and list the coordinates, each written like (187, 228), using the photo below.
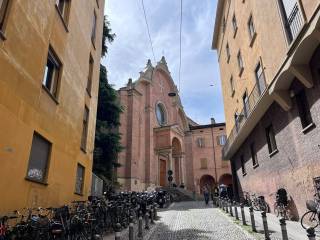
(249, 105)
(294, 22)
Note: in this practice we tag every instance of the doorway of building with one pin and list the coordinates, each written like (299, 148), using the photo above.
(163, 170)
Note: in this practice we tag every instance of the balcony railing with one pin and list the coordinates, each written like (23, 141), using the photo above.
(245, 113)
(294, 22)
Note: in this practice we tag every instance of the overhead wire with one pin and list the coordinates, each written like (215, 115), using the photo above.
(146, 20)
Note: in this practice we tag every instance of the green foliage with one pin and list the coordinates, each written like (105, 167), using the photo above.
(107, 138)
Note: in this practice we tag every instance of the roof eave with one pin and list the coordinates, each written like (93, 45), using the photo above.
(219, 13)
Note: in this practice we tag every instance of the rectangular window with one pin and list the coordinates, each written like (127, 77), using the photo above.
(203, 163)
(232, 86)
(228, 52)
(79, 179)
(236, 121)
(260, 79)
(63, 7)
(243, 166)
(90, 74)
(234, 24)
(246, 106)
(3, 11)
(85, 129)
(222, 140)
(200, 142)
(240, 62)
(52, 73)
(39, 159)
(304, 109)
(94, 26)
(251, 28)
(224, 24)
(271, 139)
(253, 155)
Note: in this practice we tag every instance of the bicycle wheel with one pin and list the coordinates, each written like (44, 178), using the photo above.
(309, 219)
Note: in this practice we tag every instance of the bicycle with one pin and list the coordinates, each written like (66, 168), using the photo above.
(311, 218)
(281, 204)
(258, 203)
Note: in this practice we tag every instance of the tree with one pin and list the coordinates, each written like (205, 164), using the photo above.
(107, 138)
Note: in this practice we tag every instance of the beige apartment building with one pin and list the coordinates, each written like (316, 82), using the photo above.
(269, 56)
(49, 75)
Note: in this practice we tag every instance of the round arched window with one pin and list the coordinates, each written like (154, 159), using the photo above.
(161, 114)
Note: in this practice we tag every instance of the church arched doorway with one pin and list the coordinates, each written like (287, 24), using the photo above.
(207, 181)
(176, 158)
(163, 172)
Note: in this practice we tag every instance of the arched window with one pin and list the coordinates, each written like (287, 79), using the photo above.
(161, 114)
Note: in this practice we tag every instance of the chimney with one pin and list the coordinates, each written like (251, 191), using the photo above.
(213, 121)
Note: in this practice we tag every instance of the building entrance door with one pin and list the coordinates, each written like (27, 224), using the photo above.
(163, 170)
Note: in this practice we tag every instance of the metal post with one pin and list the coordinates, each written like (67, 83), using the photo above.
(147, 221)
(265, 225)
(311, 235)
(243, 216)
(155, 212)
(117, 231)
(236, 210)
(253, 224)
(152, 215)
(222, 204)
(140, 226)
(227, 207)
(219, 202)
(131, 230)
(283, 229)
(230, 205)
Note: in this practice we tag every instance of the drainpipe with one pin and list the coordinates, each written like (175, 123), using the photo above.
(214, 156)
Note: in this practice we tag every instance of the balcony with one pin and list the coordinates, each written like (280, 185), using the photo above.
(245, 121)
(293, 20)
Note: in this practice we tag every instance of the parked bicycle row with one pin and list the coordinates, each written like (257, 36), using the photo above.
(281, 207)
(81, 220)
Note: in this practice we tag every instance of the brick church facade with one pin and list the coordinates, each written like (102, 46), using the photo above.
(157, 136)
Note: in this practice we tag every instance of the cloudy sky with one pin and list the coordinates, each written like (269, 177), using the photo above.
(131, 49)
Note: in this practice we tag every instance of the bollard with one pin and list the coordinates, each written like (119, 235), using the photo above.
(283, 229)
(227, 206)
(265, 225)
(152, 215)
(253, 224)
(243, 216)
(147, 221)
(140, 226)
(236, 210)
(222, 204)
(219, 202)
(311, 235)
(230, 205)
(155, 212)
(117, 231)
(131, 230)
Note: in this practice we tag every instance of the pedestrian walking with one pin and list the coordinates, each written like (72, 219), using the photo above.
(206, 194)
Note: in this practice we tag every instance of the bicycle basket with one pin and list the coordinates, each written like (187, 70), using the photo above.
(311, 205)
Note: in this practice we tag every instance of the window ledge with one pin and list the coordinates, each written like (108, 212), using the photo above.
(244, 174)
(256, 165)
(50, 94)
(62, 19)
(273, 153)
(36, 181)
(241, 71)
(83, 150)
(79, 194)
(88, 92)
(308, 128)
(2, 36)
(235, 32)
(228, 59)
(253, 39)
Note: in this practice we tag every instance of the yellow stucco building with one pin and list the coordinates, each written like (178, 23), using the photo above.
(49, 74)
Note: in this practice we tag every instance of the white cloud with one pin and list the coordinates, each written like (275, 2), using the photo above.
(131, 49)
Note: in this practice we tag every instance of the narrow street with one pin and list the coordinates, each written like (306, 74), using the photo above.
(194, 220)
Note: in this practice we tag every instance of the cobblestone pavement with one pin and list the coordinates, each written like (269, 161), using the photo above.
(194, 220)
